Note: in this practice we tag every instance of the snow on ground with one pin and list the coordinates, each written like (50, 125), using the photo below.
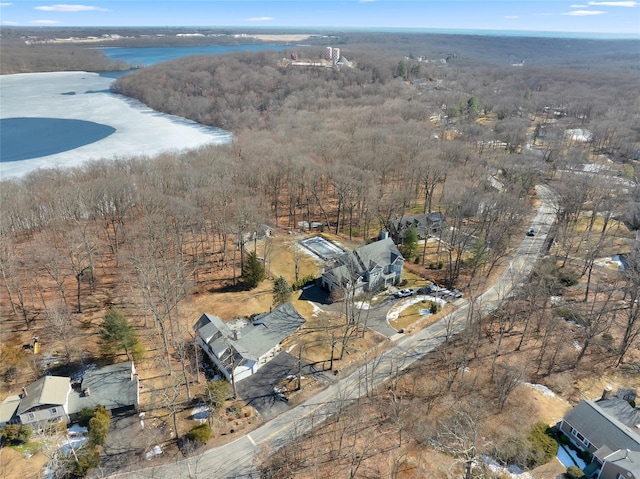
(316, 309)
(139, 129)
(362, 305)
(568, 457)
(395, 312)
(512, 471)
(544, 390)
(77, 430)
(200, 413)
(610, 262)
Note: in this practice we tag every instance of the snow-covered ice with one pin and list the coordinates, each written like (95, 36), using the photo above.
(140, 131)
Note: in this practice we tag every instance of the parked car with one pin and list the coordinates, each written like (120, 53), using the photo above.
(457, 293)
(531, 232)
(403, 293)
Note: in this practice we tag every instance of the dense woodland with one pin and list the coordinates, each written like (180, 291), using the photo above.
(352, 148)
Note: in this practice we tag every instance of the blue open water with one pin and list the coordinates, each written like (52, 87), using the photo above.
(145, 56)
(28, 138)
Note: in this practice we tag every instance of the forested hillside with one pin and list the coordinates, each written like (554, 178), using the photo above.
(352, 148)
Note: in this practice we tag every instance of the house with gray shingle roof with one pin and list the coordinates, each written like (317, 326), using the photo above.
(53, 399)
(8, 409)
(426, 225)
(45, 400)
(609, 429)
(240, 351)
(116, 387)
(367, 268)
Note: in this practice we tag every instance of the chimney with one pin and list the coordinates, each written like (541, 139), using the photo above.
(606, 393)
(236, 334)
(24, 392)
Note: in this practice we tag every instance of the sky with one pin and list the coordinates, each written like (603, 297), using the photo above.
(594, 16)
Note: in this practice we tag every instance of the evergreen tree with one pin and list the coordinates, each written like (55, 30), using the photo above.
(253, 271)
(281, 291)
(410, 243)
(117, 334)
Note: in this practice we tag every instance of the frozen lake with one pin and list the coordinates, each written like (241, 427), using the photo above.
(104, 125)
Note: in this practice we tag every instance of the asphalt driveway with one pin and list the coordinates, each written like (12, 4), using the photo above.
(257, 389)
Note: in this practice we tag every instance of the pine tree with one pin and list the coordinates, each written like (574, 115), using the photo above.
(281, 291)
(117, 334)
(252, 271)
(410, 243)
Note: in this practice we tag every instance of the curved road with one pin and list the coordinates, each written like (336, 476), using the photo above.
(235, 460)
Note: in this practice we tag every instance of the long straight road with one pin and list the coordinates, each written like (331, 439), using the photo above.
(236, 459)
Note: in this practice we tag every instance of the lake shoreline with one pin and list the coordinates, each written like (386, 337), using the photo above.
(140, 131)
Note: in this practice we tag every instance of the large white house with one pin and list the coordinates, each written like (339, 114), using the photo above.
(240, 352)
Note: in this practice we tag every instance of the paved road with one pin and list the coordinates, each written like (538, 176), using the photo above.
(235, 460)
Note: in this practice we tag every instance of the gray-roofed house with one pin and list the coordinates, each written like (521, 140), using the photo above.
(426, 225)
(240, 352)
(45, 400)
(604, 428)
(116, 387)
(367, 268)
(8, 409)
(52, 398)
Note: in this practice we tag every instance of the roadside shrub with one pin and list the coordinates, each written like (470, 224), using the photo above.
(88, 458)
(99, 426)
(435, 307)
(200, 433)
(14, 434)
(85, 416)
(574, 472)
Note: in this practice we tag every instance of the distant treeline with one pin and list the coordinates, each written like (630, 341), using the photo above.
(49, 58)
(250, 91)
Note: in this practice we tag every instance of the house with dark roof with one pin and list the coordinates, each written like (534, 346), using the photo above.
(367, 268)
(241, 350)
(56, 398)
(609, 429)
(426, 225)
(116, 387)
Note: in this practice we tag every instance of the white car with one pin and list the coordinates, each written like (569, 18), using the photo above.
(403, 293)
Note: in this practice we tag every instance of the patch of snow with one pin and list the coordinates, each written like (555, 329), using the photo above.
(362, 305)
(513, 471)
(395, 313)
(613, 261)
(544, 390)
(200, 413)
(155, 451)
(576, 345)
(72, 442)
(316, 309)
(77, 430)
(568, 457)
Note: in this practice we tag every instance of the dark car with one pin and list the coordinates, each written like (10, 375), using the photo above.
(531, 232)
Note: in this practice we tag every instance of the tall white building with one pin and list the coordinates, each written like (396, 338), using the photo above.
(328, 53)
(335, 55)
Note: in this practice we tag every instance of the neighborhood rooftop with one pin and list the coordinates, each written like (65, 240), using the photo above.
(48, 390)
(114, 387)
